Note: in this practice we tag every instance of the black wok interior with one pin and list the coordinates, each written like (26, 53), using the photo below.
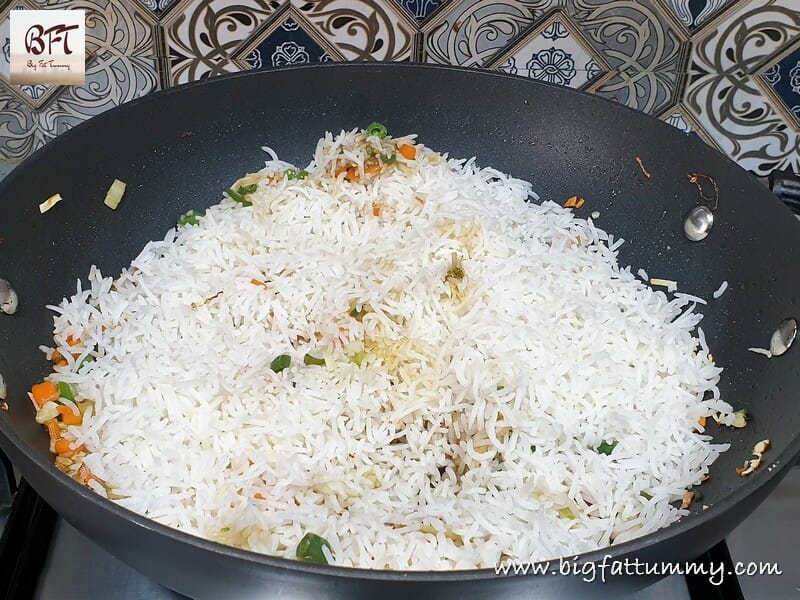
(179, 149)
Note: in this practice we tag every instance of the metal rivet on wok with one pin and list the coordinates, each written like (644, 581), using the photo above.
(783, 337)
(698, 223)
(8, 298)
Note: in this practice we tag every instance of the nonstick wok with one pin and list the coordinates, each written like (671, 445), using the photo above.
(178, 149)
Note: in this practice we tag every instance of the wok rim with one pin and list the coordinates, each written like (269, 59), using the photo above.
(768, 473)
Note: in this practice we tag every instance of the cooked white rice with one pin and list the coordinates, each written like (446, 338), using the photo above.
(470, 430)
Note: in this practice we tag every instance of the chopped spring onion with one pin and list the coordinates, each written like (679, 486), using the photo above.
(358, 358)
(377, 129)
(86, 360)
(740, 418)
(49, 203)
(237, 197)
(295, 174)
(566, 513)
(310, 549)
(114, 194)
(388, 160)
(280, 362)
(607, 447)
(65, 391)
(190, 218)
(373, 478)
(244, 190)
(645, 495)
(308, 359)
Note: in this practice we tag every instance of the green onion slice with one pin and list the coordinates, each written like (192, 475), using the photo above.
(281, 362)
(310, 549)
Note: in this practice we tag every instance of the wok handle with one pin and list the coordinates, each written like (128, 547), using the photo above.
(786, 186)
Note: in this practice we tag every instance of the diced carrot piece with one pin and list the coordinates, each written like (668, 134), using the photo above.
(407, 151)
(371, 168)
(579, 203)
(352, 174)
(44, 392)
(62, 363)
(258, 496)
(68, 417)
(63, 446)
(571, 202)
(52, 429)
(258, 282)
(71, 341)
(376, 209)
(702, 421)
(56, 356)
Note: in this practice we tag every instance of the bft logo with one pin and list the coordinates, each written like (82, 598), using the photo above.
(37, 35)
(48, 47)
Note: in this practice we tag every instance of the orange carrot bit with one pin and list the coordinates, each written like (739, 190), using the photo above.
(571, 202)
(52, 429)
(702, 421)
(68, 417)
(56, 356)
(579, 203)
(44, 392)
(71, 341)
(407, 151)
(370, 168)
(62, 363)
(352, 174)
(259, 496)
(63, 446)
(258, 282)
(376, 209)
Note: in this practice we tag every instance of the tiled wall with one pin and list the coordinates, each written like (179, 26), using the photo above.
(729, 70)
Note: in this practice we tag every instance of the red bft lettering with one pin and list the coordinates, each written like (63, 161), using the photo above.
(35, 43)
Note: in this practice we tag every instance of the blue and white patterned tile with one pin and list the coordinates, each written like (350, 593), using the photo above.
(694, 13)
(553, 53)
(110, 81)
(288, 43)
(421, 10)
(679, 122)
(362, 29)
(725, 94)
(783, 77)
(201, 36)
(33, 95)
(471, 33)
(157, 7)
(644, 48)
(113, 27)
